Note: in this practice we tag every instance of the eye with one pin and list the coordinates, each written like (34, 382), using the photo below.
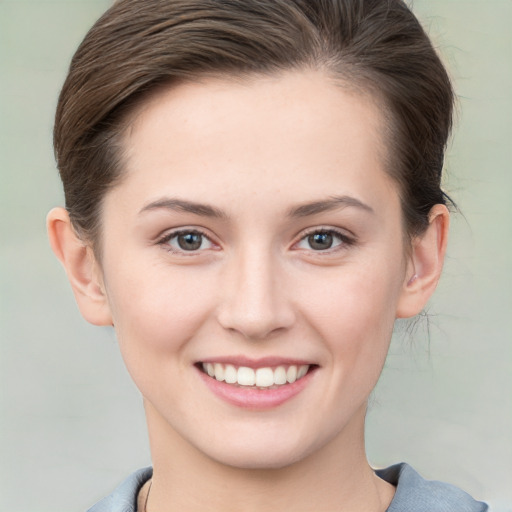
(323, 240)
(186, 241)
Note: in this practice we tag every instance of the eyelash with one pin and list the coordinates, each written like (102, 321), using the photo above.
(345, 240)
(164, 241)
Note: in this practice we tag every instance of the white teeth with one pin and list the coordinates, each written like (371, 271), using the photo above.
(261, 377)
(302, 371)
(230, 374)
(219, 371)
(246, 376)
(280, 375)
(210, 369)
(264, 377)
(291, 374)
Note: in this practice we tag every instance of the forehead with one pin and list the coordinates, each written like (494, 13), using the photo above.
(296, 130)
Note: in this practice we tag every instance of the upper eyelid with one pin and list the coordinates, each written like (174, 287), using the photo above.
(346, 240)
(169, 235)
(343, 233)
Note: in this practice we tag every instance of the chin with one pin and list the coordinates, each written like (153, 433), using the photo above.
(261, 452)
(259, 459)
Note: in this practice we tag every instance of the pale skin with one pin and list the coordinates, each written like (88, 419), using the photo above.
(253, 169)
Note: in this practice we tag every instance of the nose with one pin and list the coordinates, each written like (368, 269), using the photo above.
(254, 299)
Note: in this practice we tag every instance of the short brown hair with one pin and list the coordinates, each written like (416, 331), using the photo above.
(138, 45)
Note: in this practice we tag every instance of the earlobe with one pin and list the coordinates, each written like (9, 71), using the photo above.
(425, 264)
(82, 268)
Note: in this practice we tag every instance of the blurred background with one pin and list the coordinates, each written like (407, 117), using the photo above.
(71, 422)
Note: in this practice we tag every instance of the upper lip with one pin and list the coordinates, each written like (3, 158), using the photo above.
(262, 362)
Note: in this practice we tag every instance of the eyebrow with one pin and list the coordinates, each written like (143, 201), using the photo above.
(182, 205)
(332, 203)
(304, 210)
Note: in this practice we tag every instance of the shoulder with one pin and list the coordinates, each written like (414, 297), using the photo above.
(124, 498)
(415, 494)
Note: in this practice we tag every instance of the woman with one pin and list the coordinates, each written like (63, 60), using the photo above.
(252, 198)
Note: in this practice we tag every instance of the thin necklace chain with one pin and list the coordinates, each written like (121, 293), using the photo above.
(147, 496)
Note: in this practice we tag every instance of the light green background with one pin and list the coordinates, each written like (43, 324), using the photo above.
(72, 424)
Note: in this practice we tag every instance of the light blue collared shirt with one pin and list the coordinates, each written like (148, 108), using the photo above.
(413, 493)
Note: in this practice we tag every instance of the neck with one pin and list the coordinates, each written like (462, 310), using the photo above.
(336, 477)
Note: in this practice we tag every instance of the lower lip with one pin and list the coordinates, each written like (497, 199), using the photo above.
(255, 398)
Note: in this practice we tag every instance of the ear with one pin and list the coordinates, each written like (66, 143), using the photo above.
(425, 264)
(83, 271)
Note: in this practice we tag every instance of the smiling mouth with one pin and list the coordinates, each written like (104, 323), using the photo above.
(260, 378)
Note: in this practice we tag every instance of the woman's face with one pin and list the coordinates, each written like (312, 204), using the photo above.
(256, 228)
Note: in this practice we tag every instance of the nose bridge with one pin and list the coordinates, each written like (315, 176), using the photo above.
(254, 299)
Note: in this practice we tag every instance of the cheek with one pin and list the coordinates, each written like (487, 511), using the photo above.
(157, 311)
(355, 314)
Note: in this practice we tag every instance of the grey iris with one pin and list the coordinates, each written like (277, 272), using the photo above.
(190, 241)
(320, 241)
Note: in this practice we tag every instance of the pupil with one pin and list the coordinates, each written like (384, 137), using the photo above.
(190, 241)
(320, 241)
